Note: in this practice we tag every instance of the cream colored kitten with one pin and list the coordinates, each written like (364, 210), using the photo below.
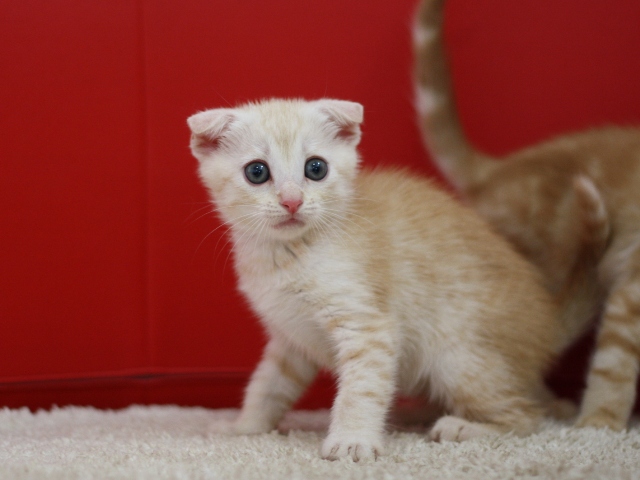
(375, 275)
(533, 199)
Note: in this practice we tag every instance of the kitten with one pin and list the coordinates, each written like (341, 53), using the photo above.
(377, 276)
(560, 204)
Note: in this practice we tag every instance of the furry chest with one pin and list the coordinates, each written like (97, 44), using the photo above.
(290, 305)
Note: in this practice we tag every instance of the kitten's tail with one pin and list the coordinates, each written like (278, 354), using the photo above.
(442, 132)
(577, 300)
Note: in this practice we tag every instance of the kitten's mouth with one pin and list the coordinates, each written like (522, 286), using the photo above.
(292, 222)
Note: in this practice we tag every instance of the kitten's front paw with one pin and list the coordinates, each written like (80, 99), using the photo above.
(357, 446)
(456, 429)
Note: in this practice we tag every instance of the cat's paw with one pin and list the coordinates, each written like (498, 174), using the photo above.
(601, 421)
(356, 446)
(455, 429)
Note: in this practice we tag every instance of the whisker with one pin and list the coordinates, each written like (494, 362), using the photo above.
(208, 205)
(340, 227)
(237, 247)
(352, 197)
(226, 224)
(332, 227)
(213, 208)
(210, 212)
(319, 228)
(344, 216)
(228, 239)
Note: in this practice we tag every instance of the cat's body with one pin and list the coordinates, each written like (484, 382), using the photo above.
(376, 276)
(530, 197)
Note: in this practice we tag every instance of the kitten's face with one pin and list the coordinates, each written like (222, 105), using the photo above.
(280, 167)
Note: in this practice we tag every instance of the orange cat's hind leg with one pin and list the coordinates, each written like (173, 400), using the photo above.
(611, 383)
(458, 428)
(478, 412)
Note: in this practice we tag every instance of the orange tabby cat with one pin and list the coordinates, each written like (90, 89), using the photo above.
(538, 198)
(375, 275)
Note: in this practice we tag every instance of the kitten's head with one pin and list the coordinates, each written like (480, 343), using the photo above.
(279, 167)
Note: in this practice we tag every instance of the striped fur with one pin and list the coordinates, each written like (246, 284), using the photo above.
(569, 205)
(384, 280)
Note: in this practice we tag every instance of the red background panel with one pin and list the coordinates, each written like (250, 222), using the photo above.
(525, 71)
(72, 203)
(116, 285)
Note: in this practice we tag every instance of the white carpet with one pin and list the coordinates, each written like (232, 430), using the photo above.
(174, 443)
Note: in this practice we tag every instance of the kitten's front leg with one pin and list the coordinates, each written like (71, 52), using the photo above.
(366, 360)
(281, 377)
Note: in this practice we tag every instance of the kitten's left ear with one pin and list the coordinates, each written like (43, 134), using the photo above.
(207, 128)
(347, 116)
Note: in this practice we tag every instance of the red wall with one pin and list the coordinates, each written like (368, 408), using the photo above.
(114, 286)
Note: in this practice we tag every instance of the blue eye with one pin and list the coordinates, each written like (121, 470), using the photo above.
(316, 169)
(257, 172)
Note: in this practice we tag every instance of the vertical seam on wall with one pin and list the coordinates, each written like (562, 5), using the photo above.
(146, 169)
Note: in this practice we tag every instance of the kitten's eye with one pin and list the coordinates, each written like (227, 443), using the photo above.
(316, 169)
(257, 172)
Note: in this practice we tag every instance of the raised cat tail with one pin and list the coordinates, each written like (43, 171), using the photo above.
(435, 103)
(576, 300)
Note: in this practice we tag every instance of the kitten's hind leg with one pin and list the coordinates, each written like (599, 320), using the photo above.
(281, 377)
(489, 401)
(456, 429)
(518, 420)
(611, 383)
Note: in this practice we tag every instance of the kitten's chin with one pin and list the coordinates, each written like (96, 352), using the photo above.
(289, 224)
(289, 229)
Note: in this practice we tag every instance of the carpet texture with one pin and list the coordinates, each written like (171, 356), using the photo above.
(165, 442)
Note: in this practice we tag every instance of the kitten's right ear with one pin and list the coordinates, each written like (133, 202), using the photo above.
(207, 128)
(347, 116)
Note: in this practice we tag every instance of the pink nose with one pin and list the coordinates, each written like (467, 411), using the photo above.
(291, 204)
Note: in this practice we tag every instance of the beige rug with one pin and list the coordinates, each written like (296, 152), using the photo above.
(165, 442)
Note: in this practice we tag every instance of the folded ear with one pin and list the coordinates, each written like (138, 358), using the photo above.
(347, 116)
(206, 129)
